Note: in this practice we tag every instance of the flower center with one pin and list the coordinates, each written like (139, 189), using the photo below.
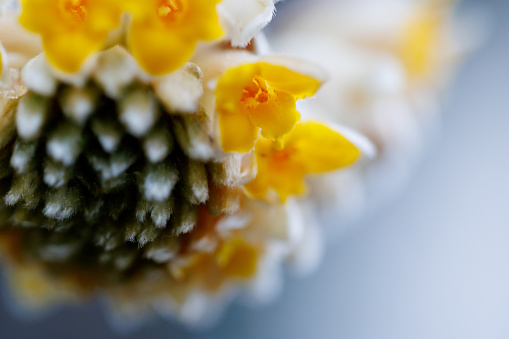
(169, 10)
(257, 92)
(76, 10)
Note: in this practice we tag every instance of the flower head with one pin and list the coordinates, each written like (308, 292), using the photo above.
(259, 96)
(71, 30)
(164, 33)
(311, 148)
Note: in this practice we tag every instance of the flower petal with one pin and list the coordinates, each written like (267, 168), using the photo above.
(230, 86)
(238, 258)
(299, 85)
(237, 132)
(259, 187)
(78, 46)
(277, 117)
(158, 50)
(287, 181)
(318, 148)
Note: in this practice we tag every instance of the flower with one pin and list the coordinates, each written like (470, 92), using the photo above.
(422, 37)
(164, 33)
(243, 19)
(259, 96)
(71, 30)
(311, 148)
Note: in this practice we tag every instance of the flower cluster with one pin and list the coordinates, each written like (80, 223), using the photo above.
(158, 153)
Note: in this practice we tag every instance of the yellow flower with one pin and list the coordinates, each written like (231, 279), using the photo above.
(71, 30)
(164, 33)
(422, 37)
(259, 96)
(311, 148)
(237, 258)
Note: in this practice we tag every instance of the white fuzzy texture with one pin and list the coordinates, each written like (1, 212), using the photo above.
(20, 159)
(201, 192)
(181, 90)
(201, 151)
(160, 218)
(11, 198)
(158, 188)
(243, 19)
(138, 112)
(61, 150)
(116, 69)
(30, 117)
(109, 142)
(37, 77)
(155, 151)
(161, 254)
(54, 179)
(78, 103)
(57, 211)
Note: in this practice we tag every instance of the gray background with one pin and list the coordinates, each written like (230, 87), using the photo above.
(433, 264)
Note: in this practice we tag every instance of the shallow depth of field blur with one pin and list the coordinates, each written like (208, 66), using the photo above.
(433, 263)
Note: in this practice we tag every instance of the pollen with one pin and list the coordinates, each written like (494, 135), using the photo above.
(76, 9)
(257, 92)
(169, 9)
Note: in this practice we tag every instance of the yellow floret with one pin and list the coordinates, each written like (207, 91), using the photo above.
(164, 33)
(259, 96)
(421, 40)
(71, 30)
(310, 149)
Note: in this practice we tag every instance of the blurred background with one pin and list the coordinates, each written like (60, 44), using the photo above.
(434, 263)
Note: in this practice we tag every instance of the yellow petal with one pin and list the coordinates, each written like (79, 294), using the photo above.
(68, 50)
(309, 149)
(164, 34)
(319, 148)
(238, 258)
(36, 16)
(276, 117)
(158, 50)
(300, 86)
(259, 187)
(266, 94)
(231, 85)
(287, 181)
(237, 133)
(421, 39)
(70, 30)
(204, 20)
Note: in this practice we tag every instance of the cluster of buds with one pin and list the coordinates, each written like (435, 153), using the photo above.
(156, 153)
